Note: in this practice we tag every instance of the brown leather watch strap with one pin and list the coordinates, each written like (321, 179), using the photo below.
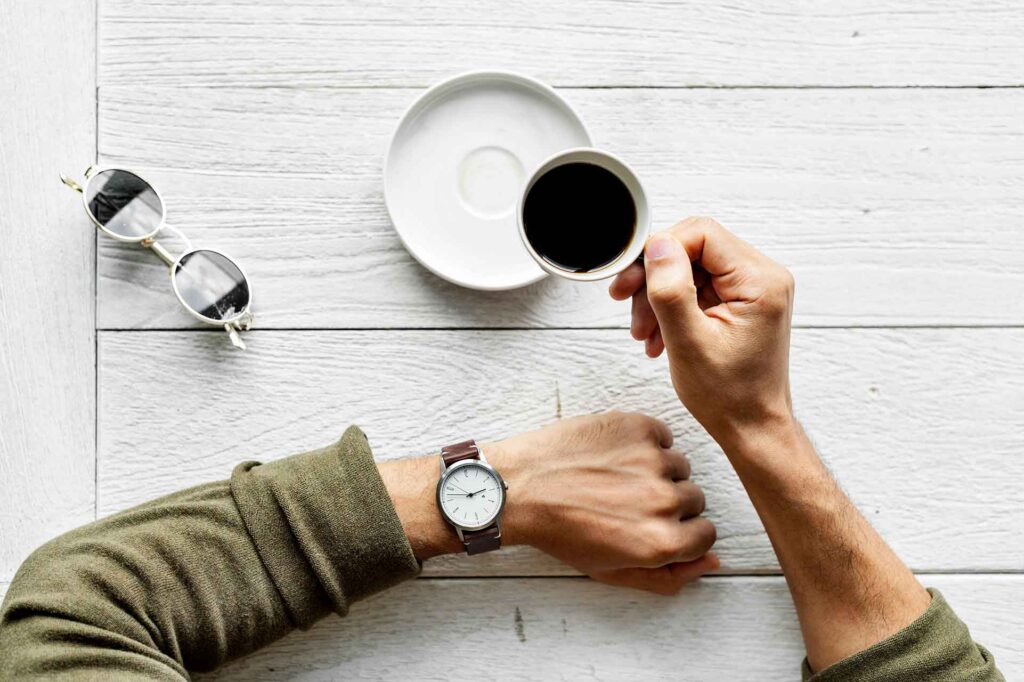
(475, 541)
(480, 541)
(467, 449)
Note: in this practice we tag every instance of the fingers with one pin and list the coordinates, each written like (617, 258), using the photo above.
(738, 271)
(664, 433)
(697, 536)
(677, 464)
(713, 247)
(636, 426)
(666, 580)
(628, 282)
(691, 499)
(693, 267)
(643, 321)
(655, 344)
(671, 290)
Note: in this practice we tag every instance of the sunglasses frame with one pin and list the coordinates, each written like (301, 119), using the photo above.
(239, 322)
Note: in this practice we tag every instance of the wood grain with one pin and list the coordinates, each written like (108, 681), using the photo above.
(47, 275)
(923, 428)
(891, 207)
(573, 629)
(610, 42)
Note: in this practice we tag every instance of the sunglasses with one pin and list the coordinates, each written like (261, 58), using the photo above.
(210, 286)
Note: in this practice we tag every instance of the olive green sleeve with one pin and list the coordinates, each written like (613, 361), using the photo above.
(191, 580)
(935, 647)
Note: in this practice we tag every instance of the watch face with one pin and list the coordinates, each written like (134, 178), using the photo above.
(471, 495)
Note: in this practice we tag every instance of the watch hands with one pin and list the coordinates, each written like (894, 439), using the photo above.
(465, 494)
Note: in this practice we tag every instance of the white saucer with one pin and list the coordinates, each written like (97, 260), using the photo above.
(457, 164)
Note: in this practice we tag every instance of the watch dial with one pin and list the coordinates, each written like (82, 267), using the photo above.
(471, 495)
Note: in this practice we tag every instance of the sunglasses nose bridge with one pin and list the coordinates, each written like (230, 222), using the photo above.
(158, 248)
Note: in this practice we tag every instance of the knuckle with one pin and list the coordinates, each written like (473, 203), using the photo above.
(637, 420)
(640, 426)
(779, 295)
(788, 280)
(668, 296)
(708, 223)
(613, 417)
(685, 468)
(662, 547)
(664, 469)
(703, 536)
(666, 499)
(694, 500)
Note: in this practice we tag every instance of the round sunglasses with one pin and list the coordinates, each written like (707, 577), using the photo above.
(208, 284)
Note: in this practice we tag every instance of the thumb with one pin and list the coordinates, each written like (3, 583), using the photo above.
(670, 288)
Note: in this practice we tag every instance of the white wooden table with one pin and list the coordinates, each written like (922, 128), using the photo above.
(875, 148)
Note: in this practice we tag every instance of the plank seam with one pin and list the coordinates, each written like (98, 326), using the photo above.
(1014, 575)
(211, 330)
(563, 86)
(95, 277)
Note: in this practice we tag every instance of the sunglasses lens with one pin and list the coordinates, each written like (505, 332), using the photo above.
(124, 203)
(211, 285)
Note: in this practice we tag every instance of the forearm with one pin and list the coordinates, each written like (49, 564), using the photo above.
(849, 588)
(604, 493)
(194, 579)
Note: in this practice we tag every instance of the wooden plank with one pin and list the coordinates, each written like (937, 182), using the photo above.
(569, 629)
(923, 427)
(611, 42)
(47, 275)
(887, 205)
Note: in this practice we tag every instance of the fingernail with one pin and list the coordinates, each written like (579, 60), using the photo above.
(661, 246)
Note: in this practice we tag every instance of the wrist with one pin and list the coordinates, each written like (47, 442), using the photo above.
(412, 486)
(767, 440)
(776, 458)
(521, 510)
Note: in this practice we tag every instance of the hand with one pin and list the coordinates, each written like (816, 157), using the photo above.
(607, 495)
(722, 310)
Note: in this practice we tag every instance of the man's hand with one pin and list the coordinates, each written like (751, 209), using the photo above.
(605, 493)
(723, 310)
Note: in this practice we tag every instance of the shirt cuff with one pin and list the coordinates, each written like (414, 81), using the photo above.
(936, 646)
(324, 526)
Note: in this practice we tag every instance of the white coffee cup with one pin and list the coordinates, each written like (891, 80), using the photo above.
(623, 172)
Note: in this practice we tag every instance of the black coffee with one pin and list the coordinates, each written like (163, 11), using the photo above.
(579, 217)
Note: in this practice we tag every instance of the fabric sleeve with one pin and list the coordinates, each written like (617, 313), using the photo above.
(197, 578)
(936, 646)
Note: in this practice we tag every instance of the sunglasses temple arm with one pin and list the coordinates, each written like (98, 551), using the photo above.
(71, 183)
(236, 338)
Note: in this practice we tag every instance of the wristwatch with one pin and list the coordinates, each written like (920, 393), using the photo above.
(471, 495)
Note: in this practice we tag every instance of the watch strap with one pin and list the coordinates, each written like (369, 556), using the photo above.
(475, 541)
(467, 449)
(480, 541)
